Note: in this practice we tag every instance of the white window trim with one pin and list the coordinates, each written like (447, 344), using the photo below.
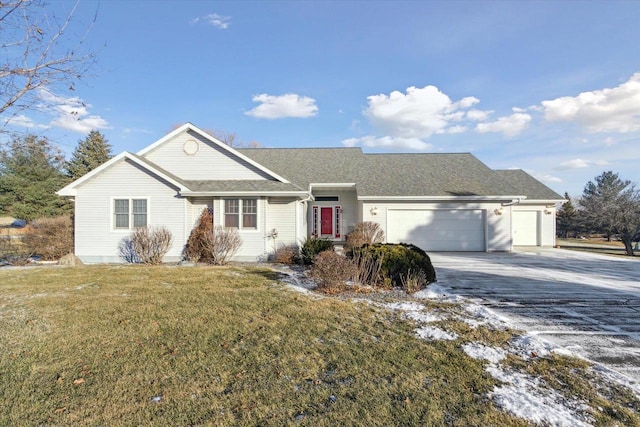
(130, 198)
(258, 200)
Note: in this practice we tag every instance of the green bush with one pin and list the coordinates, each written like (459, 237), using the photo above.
(401, 265)
(312, 247)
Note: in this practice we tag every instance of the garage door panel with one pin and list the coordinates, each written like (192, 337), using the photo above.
(525, 228)
(438, 230)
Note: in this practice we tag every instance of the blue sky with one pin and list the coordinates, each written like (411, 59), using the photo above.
(549, 87)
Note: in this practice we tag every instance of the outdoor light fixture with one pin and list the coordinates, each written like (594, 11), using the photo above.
(374, 211)
(498, 211)
(547, 212)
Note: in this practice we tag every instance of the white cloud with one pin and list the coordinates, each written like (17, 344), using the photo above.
(19, 121)
(278, 107)
(606, 110)
(71, 113)
(509, 125)
(609, 141)
(575, 164)
(418, 113)
(388, 142)
(219, 21)
(549, 178)
(478, 115)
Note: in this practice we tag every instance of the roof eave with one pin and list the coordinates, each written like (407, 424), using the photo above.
(301, 194)
(442, 198)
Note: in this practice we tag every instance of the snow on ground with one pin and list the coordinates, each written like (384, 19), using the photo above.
(519, 394)
(526, 397)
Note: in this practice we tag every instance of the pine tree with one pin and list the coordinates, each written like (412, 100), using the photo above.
(30, 174)
(612, 206)
(567, 218)
(90, 153)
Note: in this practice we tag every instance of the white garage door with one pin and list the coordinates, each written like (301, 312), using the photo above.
(438, 230)
(525, 228)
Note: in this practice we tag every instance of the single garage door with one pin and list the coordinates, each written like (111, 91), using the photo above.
(438, 230)
(525, 228)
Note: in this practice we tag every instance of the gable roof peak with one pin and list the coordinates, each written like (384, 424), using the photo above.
(208, 137)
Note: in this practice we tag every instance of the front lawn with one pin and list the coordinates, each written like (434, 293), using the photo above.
(135, 345)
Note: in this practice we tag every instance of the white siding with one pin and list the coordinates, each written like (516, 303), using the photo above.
(210, 162)
(255, 242)
(281, 215)
(194, 209)
(497, 231)
(96, 241)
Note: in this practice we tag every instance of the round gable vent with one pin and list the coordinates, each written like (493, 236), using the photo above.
(191, 147)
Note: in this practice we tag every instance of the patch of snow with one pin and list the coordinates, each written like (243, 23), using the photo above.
(413, 311)
(404, 306)
(423, 317)
(295, 280)
(432, 333)
(482, 352)
(617, 378)
(525, 397)
(437, 292)
(484, 316)
(528, 346)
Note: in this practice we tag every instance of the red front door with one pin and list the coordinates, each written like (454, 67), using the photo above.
(326, 221)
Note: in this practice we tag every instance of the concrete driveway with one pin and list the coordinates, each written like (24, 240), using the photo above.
(587, 303)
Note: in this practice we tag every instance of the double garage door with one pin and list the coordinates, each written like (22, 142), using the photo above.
(438, 229)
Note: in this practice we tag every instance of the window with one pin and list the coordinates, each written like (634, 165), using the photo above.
(231, 211)
(327, 198)
(250, 213)
(129, 213)
(234, 208)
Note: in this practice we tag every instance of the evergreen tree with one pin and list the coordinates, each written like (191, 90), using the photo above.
(30, 174)
(612, 206)
(90, 153)
(567, 220)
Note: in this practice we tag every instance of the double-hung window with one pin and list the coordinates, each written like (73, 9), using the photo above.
(129, 213)
(241, 213)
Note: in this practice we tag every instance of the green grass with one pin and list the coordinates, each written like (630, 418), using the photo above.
(228, 346)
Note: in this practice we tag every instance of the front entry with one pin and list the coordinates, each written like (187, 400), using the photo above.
(326, 222)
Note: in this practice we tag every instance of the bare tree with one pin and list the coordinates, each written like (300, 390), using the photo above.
(37, 52)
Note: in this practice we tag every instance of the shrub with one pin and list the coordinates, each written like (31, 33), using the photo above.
(364, 233)
(332, 270)
(126, 252)
(195, 250)
(287, 254)
(413, 281)
(398, 263)
(150, 244)
(13, 251)
(222, 244)
(312, 247)
(51, 238)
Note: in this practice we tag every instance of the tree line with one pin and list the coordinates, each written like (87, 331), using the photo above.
(32, 169)
(609, 205)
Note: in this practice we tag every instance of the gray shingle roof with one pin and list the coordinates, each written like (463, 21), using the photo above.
(528, 186)
(386, 175)
(241, 186)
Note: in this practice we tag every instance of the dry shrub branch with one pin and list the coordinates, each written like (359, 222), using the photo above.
(222, 244)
